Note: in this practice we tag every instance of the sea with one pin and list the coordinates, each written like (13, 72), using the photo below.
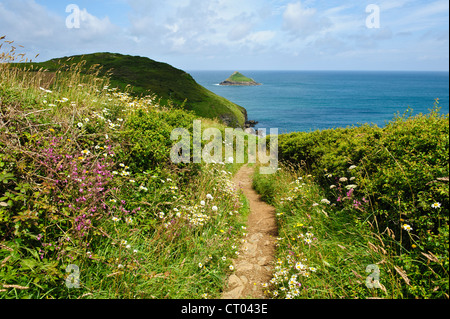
(304, 101)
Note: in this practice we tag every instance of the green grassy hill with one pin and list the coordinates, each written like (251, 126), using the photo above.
(146, 75)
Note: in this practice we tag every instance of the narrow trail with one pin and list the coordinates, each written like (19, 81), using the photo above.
(254, 263)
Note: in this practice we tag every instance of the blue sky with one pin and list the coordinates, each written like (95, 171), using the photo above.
(239, 34)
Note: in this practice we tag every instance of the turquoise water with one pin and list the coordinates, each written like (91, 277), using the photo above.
(309, 100)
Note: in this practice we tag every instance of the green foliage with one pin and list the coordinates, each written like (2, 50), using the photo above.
(85, 181)
(140, 75)
(397, 179)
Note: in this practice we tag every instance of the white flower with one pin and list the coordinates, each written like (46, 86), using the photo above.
(436, 205)
(325, 201)
(231, 267)
(315, 204)
(200, 265)
(80, 125)
(161, 215)
(352, 167)
(202, 203)
(209, 196)
(351, 186)
(332, 186)
(214, 208)
(143, 188)
(343, 179)
(407, 227)
(115, 219)
(300, 266)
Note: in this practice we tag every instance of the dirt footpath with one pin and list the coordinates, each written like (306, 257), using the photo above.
(255, 262)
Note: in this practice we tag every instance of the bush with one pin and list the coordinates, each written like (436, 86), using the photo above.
(400, 174)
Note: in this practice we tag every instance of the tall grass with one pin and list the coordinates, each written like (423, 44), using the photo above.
(82, 197)
(369, 196)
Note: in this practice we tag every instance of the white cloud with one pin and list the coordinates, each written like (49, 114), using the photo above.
(301, 21)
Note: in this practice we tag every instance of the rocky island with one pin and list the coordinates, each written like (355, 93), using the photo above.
(239, 79)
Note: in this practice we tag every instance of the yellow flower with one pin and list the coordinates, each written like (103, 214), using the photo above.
(52, 130)
(413, 246)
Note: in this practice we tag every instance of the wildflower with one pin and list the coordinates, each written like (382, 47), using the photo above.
(343, 179)
(52, 130)
(205, 296)
(299, 266)
(436, 205)
(119, 266)
(128, 220)
(332, 186)
(214, 208)
(127, 246)
(231, 267)
(325, 201)
(224, 258)
(80, 125)
(209, 196)
(86, 120)
(132, 181)
(308, 241)
(135, 251)
(315, 204)
(143, 188)
(352, 167)
(85, 152)
(313, 269)
(200, 265)
(115, 219)
(122, 165)
(407, 227)
(351, 186)
(202, 203)
(161, 215)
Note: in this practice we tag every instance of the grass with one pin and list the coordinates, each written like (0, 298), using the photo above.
(140, 75)
(352, 201)
(88, 191)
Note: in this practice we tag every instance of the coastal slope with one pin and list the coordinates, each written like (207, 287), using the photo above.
(146, 76)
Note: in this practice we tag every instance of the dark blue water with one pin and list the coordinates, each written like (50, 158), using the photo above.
(309, 100)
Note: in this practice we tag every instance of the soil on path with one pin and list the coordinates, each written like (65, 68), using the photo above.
(254, 265)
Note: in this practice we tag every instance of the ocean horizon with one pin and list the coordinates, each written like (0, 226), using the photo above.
(303, 101)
